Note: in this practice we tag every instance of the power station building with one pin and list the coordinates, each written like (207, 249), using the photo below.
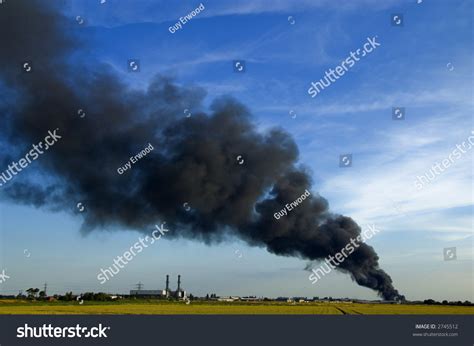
(166, 293)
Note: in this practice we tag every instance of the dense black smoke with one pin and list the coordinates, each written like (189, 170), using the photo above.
(193, 161)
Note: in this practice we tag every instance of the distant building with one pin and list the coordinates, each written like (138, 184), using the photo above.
(249, 298)
(300, 299)
(166, 293)
(228, 299)
(147, 293)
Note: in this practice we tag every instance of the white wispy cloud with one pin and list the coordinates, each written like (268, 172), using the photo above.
(156, 11)
(380, 188)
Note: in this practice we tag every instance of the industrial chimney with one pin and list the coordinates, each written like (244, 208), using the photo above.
(179, 282)
(167, 284)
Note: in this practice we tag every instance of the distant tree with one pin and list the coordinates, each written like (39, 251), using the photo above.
(207, 296)
(32, 292)
(102, 297)
(87, 296)
(68, 296)
(445, 302)
(42, 294)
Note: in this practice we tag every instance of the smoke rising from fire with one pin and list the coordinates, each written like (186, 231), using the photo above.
(194, 159)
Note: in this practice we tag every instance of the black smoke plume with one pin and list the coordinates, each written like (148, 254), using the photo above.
(193, 161)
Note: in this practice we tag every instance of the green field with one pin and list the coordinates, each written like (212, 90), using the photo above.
(156, 307)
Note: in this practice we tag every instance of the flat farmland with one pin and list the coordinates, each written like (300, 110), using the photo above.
(156, 307)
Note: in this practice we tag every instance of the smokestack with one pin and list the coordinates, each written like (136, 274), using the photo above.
(234, 177)
(167, 283)
(179, 282)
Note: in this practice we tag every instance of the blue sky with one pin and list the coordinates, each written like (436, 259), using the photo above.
(425, 66)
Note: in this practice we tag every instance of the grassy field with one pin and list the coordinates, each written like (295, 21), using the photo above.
(154, 307)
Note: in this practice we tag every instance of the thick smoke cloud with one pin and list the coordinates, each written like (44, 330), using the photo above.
(194, 159)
